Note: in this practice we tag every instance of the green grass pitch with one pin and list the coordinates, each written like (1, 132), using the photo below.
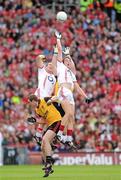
(34, 172)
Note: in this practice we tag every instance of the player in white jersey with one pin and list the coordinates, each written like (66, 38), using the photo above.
(46, 84)
(67, 84)
(66, 80)
(46, 87)
(46, 78)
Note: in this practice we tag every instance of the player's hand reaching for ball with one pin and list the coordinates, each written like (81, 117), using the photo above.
(55, 50)
(58, 34)
(66, 51)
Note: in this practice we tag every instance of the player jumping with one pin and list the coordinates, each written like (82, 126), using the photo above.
(67, 84)
(46, 83)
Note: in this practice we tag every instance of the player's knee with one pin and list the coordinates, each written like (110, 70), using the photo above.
(70, 115)
(42, 146)
(43, 141)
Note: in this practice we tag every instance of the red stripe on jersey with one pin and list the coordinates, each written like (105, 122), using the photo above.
(44, 81)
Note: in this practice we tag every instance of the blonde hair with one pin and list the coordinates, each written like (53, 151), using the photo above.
(41, 57)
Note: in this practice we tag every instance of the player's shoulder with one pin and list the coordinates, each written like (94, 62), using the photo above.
(41, 68)
(60, 63)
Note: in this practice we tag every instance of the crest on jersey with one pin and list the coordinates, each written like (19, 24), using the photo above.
(50, 78)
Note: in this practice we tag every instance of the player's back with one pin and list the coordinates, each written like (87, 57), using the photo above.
(51, 113)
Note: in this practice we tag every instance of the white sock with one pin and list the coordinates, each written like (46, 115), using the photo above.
(38, 134)
(60, 133)
(69, 139)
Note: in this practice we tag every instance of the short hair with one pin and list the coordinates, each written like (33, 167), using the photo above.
(41, 57)
(33, 97)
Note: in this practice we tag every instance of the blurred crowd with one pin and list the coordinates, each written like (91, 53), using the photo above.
(26, 30)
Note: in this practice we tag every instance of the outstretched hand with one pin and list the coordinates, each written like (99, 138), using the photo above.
(58, 34)
(55, 50)
(66, 51)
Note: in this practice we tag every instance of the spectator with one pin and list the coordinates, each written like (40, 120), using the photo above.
(1, 149)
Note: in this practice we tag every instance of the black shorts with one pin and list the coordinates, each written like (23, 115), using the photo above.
(54, 127)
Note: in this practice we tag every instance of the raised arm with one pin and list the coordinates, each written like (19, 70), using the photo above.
(72, 65)
(66, 52)
(59, 46)
(55, 56)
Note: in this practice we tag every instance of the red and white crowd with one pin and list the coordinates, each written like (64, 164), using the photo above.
(26, 30)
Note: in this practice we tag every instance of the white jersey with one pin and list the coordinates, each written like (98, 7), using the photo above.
(65, 75)
(46, 83)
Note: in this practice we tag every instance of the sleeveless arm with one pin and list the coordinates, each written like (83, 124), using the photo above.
(79, 90)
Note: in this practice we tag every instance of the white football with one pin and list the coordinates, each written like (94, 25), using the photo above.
(61, 16)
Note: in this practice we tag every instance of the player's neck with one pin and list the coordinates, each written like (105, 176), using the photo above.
(48, 71)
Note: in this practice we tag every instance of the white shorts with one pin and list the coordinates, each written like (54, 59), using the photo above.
(65, 94)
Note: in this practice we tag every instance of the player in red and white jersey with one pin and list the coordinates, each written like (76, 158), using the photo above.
(67, 84)
(46, 78)
(46, 84)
